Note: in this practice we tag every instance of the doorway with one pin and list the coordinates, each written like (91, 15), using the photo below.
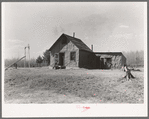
(62, 59)
(108, 63)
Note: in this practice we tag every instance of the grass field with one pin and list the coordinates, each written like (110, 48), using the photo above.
(43, 85)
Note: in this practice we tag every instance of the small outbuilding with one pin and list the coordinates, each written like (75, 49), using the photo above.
(108, 60)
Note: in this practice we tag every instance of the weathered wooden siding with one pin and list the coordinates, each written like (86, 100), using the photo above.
(87, 60)
(117, 61)
(71, 48)
(65, 48)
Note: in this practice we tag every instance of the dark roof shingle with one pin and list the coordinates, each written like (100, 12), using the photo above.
(107, 53)
(78, 43)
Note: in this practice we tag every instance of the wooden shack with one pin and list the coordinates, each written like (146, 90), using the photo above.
(71, 52)
(108, 60)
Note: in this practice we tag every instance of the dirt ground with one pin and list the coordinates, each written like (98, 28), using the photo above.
(44, 85)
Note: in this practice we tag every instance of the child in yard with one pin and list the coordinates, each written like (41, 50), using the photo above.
(128, 73)
(56, 66)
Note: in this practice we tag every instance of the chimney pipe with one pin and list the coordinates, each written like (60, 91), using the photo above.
(73, 34)
(92, 47)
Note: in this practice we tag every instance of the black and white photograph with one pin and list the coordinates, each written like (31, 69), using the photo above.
(74, 56)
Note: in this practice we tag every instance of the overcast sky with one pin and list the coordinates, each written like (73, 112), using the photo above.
(108, 26)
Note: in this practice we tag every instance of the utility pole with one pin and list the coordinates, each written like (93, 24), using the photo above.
(29, 55)
(25, 56)
(15, 62)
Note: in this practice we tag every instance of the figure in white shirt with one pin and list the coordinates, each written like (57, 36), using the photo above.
(128, 72)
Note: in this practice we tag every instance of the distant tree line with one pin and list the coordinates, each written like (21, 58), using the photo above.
(135, 58)
(45, 58)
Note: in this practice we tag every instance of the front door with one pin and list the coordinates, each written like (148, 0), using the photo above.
(62, 59)
(102, 63)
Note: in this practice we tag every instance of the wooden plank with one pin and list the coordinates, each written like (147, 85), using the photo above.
(14, 62)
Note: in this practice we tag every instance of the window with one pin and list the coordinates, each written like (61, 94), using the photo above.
(73, 56)
(64, 41)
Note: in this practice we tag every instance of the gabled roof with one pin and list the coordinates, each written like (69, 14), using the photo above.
(77, 42)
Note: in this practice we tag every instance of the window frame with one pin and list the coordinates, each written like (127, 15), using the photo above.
(74, 56)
